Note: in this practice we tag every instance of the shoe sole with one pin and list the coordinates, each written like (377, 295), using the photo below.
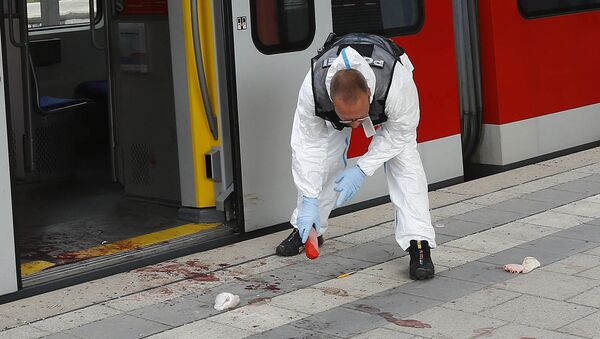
(280, 252)
(422, 274)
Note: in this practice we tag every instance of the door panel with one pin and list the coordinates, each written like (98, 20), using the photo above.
(267, 91)
(8, 280)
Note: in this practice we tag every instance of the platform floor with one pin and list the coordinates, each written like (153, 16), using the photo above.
(549, 210)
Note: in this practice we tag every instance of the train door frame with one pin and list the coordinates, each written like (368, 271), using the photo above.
(200, 45)
(8, 260)
(17, 80)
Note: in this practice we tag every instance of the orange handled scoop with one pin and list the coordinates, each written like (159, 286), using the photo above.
(311, 248)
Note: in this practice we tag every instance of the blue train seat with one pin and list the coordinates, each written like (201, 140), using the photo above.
(56, 121)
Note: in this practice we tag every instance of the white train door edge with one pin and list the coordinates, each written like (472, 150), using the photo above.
(267, 91)
(8, 265)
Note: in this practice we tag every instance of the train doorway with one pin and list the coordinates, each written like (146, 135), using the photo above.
(94, 153)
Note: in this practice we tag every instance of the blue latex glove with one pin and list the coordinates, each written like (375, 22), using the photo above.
(307, 216)
(348, 183)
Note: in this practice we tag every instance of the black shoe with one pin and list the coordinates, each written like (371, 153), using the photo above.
(320, 240)
(292, 245)
(421, 266)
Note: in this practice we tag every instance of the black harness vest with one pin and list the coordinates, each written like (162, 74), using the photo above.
(379, 52)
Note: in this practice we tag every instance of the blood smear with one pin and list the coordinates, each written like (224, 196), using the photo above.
(311, 248)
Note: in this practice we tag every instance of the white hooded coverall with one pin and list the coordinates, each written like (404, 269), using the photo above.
(319, 151)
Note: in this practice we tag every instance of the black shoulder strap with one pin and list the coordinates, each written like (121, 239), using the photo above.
(331, 39)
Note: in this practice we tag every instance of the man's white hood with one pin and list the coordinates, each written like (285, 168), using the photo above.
(350, 58)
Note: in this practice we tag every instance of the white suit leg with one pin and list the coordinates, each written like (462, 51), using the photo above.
(335, 163)
(408, 191)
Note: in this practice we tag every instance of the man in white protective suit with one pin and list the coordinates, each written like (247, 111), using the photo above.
(360, 80)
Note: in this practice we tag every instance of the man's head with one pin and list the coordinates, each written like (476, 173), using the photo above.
(350, 96)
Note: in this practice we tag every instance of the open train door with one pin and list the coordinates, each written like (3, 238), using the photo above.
(273, 44)
(8, 280)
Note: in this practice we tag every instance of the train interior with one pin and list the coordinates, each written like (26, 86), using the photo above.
(90, 166)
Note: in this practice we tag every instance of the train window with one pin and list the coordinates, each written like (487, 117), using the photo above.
(536, 8)
(384, 17)
(42, 14)
(280, 26)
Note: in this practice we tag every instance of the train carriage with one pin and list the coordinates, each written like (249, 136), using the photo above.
(136, 131)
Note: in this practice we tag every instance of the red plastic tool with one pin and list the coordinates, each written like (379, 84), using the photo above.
(311, 248)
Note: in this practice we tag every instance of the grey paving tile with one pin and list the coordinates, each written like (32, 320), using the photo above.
(246, 290)
(202, 329)
(524, 332)
(525, 206)
(366, 235)
(372, 251)
(583, 185)
(592, 273)
(393, 301)
(439, 239)
(490, 216)
(75, 318)
(288, 279)
(574, 264)
(547, 250)
(594, 221)
(385, 333)
(556, 219)
(497, 239)
(581, 232)
(313, 300)
(593, 177)
(594, 251)
(443, 238)
(449, 256)
(583, 208)
(548, 284)
(176, 312)
(288, 331)
(481, 300)
(556, 196)
(446, 323)
(264, 285)
(258, 318)
(515, 255)
(594, 199)
(341, 322)
(396, 269)
(61, 335)
(560, 245)
(588, 298)
(440, 288)
(478, 272)
(7, 321)
(23, 331)
(388, 240)
(460, 228)
(121, 326)
(359, 285)
(587, 327)
(330, 266)
(538, 312)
